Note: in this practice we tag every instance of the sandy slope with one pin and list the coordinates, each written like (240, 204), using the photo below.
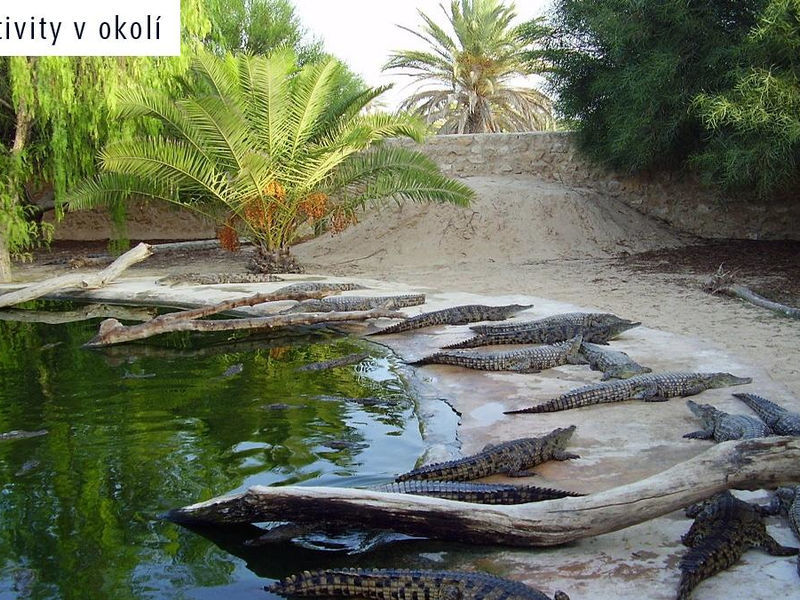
(514, 218)
(525, 236)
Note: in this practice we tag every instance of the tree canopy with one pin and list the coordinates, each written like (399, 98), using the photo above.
(669, 84)
(467, 78)
(54, 118)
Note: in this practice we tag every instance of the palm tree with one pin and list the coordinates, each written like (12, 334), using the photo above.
(466, 80)
(269, 150)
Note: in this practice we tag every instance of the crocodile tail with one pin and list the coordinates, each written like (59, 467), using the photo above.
(539, 408)
(425, 360)
(473, 342)
(759, 404)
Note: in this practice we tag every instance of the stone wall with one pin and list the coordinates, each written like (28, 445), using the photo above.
(678, 200)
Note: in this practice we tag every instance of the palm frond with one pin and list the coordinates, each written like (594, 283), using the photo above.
(399, 173)
(174, 163)
(265, 83)
(111, 188)
(311, 91)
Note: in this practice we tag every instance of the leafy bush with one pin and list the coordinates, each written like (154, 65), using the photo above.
(755, 125)
(628, 72)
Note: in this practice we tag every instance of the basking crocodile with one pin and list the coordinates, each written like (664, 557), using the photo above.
(594, 327)
(653, 387)
(525, 360)
(456, 315)
(349, 303)
(721, 426)
(612, 363)
(217, 278)
(513, 458)
(319, 286)
(789, 503)
(391, 584)
(780, 420)
(724, 529)
(477, 493)
(343, 361)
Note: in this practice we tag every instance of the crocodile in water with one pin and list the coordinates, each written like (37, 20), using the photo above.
(612, 363)
(525, 360)
(594, 327)
(653, 387)
(722, 427)
(349, 303)
(455, 315)
(19, 434)
(513, 458)
(477, 493)
(217, 278)
(780, 420)
(391, 584)
(724, 529)
(343, 361)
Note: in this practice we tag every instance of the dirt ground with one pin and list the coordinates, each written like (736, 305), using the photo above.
(564, 246)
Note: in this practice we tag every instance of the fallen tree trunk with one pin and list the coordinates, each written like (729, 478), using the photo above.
(745, 464)
(77, 280)
(748, 295)
(722, 282)
(113, 332)
(84, 313)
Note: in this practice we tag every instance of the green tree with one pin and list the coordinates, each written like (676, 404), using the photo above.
(264, 148)
(628, 71)
(466, 79)
(54, 116)
(259, 27)
(755, 125)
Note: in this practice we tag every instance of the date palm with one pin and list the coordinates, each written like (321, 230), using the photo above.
(268, 150)
(466, 79)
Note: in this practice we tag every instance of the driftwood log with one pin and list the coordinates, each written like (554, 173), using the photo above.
(77, 280)
(746, 464)
(83, 313)
(722, 282)
(113, 332)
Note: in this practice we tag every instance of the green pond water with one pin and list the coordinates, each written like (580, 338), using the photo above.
(134, 431)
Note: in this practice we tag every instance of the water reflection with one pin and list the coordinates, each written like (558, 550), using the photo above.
(137, 430)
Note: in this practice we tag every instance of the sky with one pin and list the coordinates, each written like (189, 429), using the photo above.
(363, 33)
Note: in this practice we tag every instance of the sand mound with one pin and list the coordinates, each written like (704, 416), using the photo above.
(515, 218)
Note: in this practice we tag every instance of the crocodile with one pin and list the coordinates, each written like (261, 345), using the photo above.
(217, 278)
(789, 502)
(19, 434)
(390, 584)
(652, 387)
(513, 458)
(343, 361)
(455, 315)
(349, 303)
(574, 318)
(477, 493)
(525, 360)
(612, 363)
(537, 332)
(724, 529)
(721, 426)
(780, 420)
(318, 286)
